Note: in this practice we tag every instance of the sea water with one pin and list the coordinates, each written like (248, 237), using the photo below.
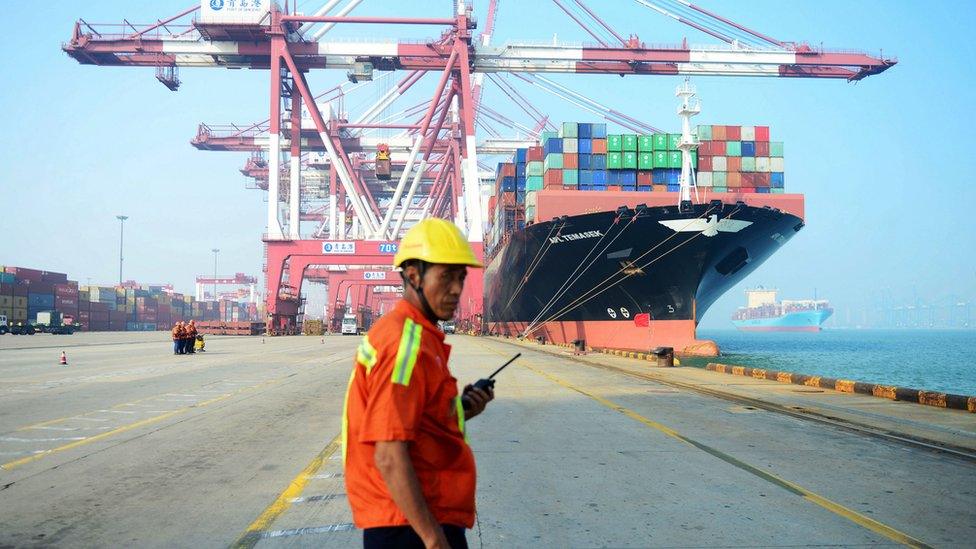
(935, 360)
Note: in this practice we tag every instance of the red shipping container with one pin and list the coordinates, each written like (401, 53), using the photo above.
(40, 287)
(733, 133)
(644, 178)
(762, 134)
(552, 178)
(734, 164)
(66, 290)
(534, 154)
(733, 179)
(763, 179)
(570, 161)
(747, 189)
(508, 170)
(599, 146)
(704, 165)
(718, 133)
(492, 202)
(762, 148)
(54, 278)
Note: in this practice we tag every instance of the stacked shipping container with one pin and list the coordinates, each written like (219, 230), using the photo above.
(740, 159)
(584, 157)
(26, 292)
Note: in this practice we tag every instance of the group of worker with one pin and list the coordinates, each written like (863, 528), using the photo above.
(184, 338)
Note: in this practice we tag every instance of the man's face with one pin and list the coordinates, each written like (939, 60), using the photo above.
(442, 287)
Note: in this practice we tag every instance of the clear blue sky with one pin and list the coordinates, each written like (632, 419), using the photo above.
(887, 165)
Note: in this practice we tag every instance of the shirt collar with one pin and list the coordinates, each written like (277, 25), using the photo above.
(414, 313)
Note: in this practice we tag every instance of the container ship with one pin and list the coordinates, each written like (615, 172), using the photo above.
(624, 241)
(763, 313)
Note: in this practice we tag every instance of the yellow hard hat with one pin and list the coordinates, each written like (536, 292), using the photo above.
(436, 240)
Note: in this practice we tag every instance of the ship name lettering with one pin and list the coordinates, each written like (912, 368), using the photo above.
(575, 236)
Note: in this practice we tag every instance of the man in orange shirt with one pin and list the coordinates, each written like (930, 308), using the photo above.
(410, 474)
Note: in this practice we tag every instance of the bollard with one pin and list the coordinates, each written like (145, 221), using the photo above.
(665, 356)
(579, 346)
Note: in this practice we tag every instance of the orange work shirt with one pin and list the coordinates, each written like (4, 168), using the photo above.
(400, 389)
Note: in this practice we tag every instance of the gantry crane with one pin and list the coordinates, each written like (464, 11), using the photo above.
(268, 37)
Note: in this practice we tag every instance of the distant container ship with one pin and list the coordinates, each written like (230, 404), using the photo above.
(764, 314)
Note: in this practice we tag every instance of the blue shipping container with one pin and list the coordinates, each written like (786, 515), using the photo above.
(629, 187)
(598, 161)
(585, 145)
(584, 162)
(585, 131)
(508, 184)
(598, 131)
(599, 187)
(748, 148)
(554, 145)
(776, 180)
(520, 170)
(763, 190)
(674, 188)
(628, 177)
(520, 155)
(40, 300)
(599, 177)
(520, 183)
(645, 188)
(585, 177)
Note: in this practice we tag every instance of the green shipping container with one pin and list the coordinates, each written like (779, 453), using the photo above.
(645, 161)
(674, 159)
(776, 149)
(748, 163)
(694, 159)
(660, 141)
(570, 177)
(629, 142)
(673, 140)
(704, 133)
(660, 159)
(733, 148)
(615, 161)
(777, 191)
(570, 129)
(645, 143)
(533, 168)
(719, 179)
(533, 183)
(615, 143)
(629, 160)
(719, 189)
(552, 161)
(547, 135)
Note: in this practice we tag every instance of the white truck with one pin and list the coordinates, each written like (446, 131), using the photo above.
(350, 325)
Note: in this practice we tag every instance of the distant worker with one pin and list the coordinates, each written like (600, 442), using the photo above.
(410, 474)
(191, 337)
(178, 334)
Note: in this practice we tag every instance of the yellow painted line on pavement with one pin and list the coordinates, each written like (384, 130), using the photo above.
(252, 535)
(128, 427)
(832, 506)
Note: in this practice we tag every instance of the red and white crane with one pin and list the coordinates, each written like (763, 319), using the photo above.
(266, 37)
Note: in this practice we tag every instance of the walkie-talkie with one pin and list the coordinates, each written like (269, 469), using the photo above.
(489, 383)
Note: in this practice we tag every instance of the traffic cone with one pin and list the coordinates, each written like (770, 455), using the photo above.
(64, 359)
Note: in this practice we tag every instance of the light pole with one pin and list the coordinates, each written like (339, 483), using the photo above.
(121, 219)
(215, 251)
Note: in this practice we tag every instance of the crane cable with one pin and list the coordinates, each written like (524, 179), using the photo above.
(571, 280)
(579, 301)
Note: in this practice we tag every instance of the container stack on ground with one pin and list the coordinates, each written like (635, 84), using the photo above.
(26, 292)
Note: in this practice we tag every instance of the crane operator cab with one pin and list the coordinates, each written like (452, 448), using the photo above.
(383, 169)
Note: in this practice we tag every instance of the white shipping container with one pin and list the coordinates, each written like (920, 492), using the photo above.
(720, 164)
(762, 164)
(776, 164)
(237, 12)
(748, 133)
(570, 145)
(530, 199)
(704, 179)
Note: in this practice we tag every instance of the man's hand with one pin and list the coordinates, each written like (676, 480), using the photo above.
(477, 400)
(393, 460)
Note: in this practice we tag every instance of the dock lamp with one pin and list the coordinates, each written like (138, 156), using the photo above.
(121, 219)
(215, 252)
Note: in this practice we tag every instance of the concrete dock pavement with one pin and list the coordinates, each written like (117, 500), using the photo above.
(238, 447)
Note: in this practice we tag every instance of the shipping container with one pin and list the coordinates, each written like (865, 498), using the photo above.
(645, 161)
(585, 146)
(599, 146)
(629, 142)
(762, 164)
(704, 133)
(748, 148)
(704, 179)
(762, 133)
(748, 133)
(674, 159)
(673, 140)
(570, 161)
(719, 179)
(629, 160)
(659, 141)
(776, 149)
(645, 144)
(569, 129)
(733, 148)
(720, 164)
(718, 133)
(733, 133)
(570, 145)
(748, 163)
(776, 165)
(614, 143)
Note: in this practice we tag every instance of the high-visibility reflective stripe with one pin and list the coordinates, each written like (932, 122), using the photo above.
(459, 409)
(366, 354)
(345, 417)
(407, 353)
